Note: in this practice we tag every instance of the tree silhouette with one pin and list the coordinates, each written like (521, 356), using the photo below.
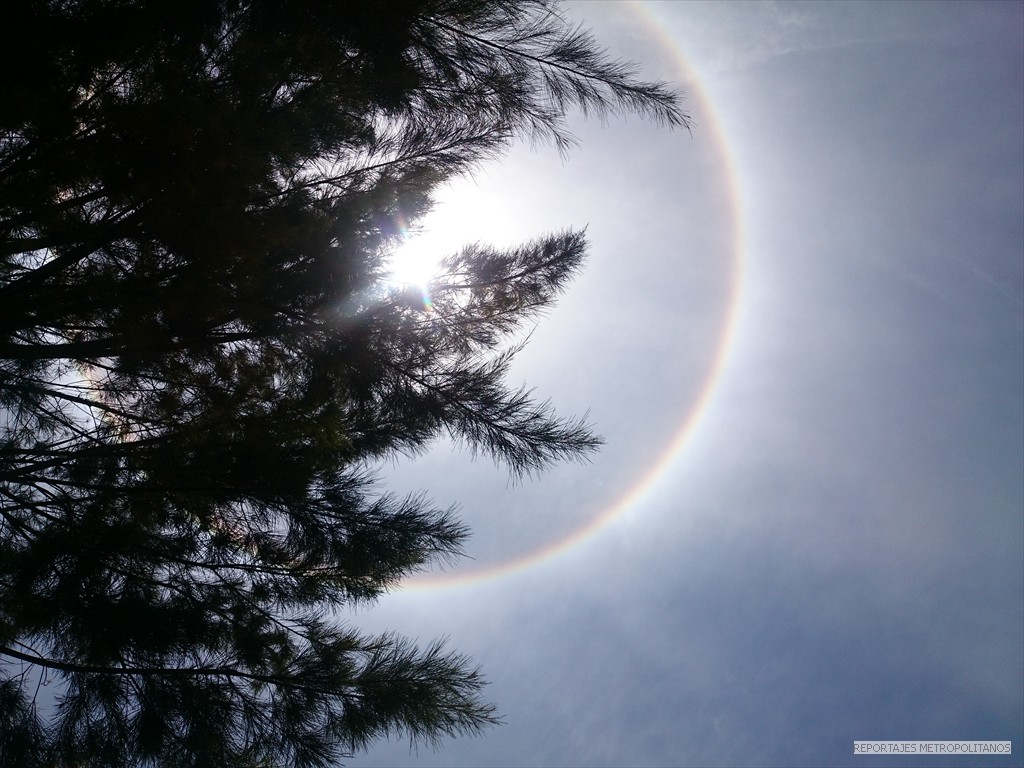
(201, 360)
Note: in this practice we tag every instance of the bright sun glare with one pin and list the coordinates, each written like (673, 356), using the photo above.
(415, 261)
(462, 215)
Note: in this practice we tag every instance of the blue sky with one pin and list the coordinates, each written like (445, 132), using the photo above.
(834, 549)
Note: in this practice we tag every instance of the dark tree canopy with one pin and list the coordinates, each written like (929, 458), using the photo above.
(201, 361)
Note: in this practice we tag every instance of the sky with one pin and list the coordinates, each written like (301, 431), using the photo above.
(801, 333)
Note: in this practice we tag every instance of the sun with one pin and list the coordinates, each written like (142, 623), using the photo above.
(415, 261)
(461, 216)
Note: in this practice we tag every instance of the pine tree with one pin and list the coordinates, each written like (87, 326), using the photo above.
(201, 360)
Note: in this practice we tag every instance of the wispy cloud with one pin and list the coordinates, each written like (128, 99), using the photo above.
(736, 37)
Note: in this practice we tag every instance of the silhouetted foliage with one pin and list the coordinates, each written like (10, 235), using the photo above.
(201, 360)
